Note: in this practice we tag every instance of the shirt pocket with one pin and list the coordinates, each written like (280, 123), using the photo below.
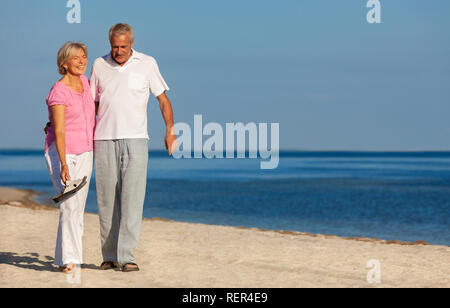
(137, 81)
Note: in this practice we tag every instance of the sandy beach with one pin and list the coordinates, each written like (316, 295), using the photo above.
(178, 254)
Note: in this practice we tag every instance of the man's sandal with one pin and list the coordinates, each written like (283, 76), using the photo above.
(130, 267)
(109, 265)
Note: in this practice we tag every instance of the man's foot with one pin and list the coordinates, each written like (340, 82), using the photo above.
(66, 269)
(109, 265)
(130, 267)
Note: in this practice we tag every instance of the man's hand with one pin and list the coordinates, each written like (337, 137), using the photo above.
(171, 141)
(47, 126)
(166, 110)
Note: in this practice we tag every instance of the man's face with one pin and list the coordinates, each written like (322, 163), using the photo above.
(121, 48)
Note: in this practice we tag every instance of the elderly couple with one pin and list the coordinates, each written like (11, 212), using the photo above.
(117, 94)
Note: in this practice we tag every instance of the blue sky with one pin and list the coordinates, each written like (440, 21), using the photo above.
(332, 81)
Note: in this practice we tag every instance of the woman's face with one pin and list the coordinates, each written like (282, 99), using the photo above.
(77, 64)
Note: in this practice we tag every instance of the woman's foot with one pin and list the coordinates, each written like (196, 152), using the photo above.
(66, 269)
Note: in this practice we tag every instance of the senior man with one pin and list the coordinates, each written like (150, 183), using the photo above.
(121, 83)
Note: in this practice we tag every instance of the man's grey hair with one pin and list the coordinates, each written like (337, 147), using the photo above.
(121, 29)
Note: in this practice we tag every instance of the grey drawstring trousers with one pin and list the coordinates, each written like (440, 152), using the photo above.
(121, 177)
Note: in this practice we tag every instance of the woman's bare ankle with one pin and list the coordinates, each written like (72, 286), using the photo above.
(66, 268)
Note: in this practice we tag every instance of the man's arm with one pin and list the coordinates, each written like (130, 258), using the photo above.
(93, 82)
(170, 139)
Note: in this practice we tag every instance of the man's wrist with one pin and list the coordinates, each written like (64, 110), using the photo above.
(170, 130)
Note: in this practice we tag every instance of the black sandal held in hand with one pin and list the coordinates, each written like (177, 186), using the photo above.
(130, 267)
(70, 188)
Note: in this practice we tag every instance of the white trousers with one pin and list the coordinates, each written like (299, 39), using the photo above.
(69, 248)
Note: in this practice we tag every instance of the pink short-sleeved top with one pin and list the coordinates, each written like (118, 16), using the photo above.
(80, 117)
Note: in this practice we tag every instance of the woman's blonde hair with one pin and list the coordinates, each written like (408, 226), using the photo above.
(66, 52)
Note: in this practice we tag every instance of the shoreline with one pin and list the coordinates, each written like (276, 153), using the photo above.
(174, 254)
(25, 198)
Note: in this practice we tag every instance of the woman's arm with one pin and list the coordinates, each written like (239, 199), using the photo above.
(59, 120)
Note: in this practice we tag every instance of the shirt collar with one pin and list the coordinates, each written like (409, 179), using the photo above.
(135, 56)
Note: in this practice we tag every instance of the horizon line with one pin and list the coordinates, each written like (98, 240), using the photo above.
(280, 150)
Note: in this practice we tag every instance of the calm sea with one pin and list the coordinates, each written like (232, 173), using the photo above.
(392, 196)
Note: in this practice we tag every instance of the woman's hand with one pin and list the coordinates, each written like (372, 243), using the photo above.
(65, 176)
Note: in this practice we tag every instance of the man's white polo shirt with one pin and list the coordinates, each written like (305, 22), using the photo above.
(123, 93)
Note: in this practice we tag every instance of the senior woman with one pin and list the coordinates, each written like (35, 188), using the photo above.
(69, 148)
